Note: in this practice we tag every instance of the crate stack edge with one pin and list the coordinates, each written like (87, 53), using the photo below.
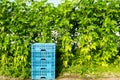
(43, 61)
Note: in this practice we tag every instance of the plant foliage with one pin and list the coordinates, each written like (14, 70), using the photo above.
(83, 30)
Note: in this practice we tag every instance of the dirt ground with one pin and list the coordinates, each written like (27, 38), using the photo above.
(69, 78)
(75, 77)
(88, 79)
(112, 78)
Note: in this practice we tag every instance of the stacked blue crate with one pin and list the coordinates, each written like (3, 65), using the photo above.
(43, 61)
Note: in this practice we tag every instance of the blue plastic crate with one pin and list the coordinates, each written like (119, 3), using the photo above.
(46, 74)
(36, 59)
(48, 63)
(43, 54)
(39, 67)
(43, 61)
(51, 72)
(38, 77)
(38, 47)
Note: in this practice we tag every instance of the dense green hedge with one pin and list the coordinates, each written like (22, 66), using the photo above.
(84, 32)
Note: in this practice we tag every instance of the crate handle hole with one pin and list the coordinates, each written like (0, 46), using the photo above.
(42, 68)
(43, 77)
(43, 59)
(43, 50)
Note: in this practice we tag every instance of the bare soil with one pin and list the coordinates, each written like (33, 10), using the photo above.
(90, 77)
(73, 77)
(68, 78)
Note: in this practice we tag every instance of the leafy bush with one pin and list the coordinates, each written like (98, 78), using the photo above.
(84, 32)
